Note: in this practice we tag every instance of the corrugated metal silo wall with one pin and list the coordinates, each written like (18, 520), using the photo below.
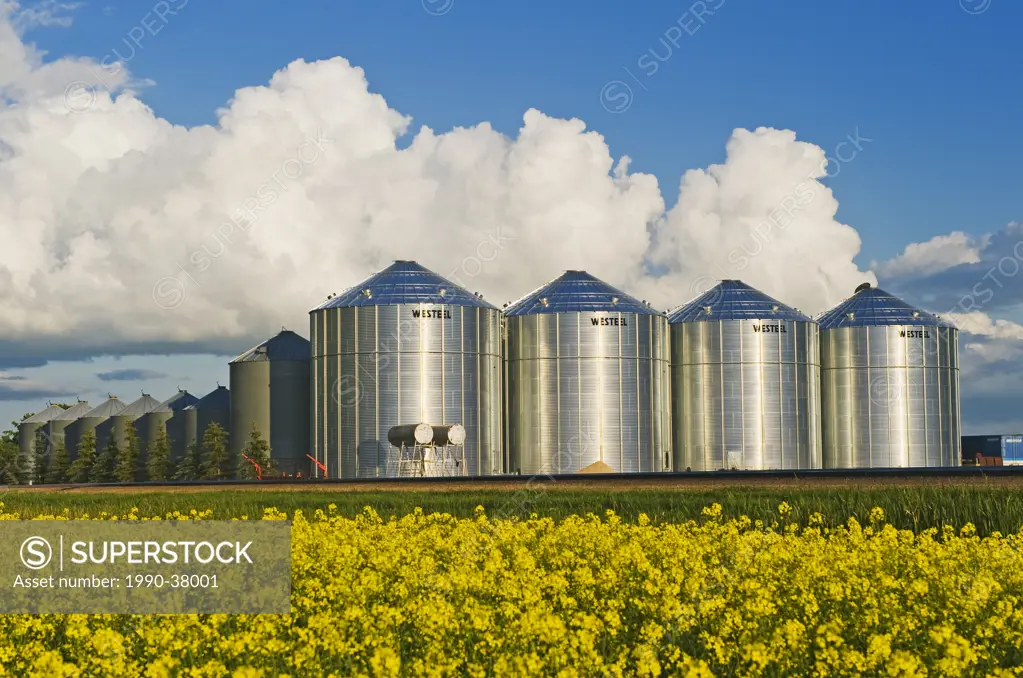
(746, 394)
(74, 432)
(891, 396)
(375, 367)
(581, 391)
(26, 444)
(289, 416)
(250, 403)
(112, 426)
(53, 431)
(182, 432)
(117, 426)
(148, 428)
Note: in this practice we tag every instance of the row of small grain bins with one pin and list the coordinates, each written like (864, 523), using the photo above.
(183, 417)
(269, 392)
(579, 376)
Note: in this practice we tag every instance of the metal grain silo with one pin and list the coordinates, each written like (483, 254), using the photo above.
(405, 346)
(890, 384)
(169, 416)
(215, 406)
(118, 424)
(270, 388)
(29, 429)
(587, 369)
(55, 428)
(745, 376)
(89, 422)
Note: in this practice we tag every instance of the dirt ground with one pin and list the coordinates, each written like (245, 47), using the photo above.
(590, 484)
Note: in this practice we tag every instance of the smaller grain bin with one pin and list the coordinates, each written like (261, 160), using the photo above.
(29, 429)
(270, 389)
(55, 428)
(76, 430)
(214, 407)
(169, 416)
(129, 416)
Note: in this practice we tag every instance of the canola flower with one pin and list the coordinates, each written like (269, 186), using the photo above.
(432, 595)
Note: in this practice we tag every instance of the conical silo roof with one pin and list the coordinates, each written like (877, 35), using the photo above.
(76, 411)
(217, 399)
(578, 291)
(284, 346)
(870, 306)
(143, 405)
(109, 408)
(405, 282)
(734, 300)
(176, 402)
(45, 415)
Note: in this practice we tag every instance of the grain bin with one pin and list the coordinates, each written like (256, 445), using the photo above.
(28, 431)
(55, 429)
(215, 406)
(118, 424)
(89, 421)
(405, 346)
(270, 388)
(587, 370)
(745, 377)
(889, 384)
(169, 416)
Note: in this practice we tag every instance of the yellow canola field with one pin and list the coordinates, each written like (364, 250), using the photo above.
(433, 595)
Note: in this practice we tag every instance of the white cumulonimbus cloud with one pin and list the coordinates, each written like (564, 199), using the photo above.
(125, 232)
(937, 254)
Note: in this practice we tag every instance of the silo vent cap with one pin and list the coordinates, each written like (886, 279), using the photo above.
(861, 287)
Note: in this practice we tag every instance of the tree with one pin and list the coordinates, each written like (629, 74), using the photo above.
(158, 465)
(188, 467)
(59, 463)
(10, 463)
(258, 451)
(216, 464)
(128, 458)
(81, 467)
(103, 469)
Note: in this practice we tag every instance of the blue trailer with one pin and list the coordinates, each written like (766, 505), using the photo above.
(1012, 450)
(1008, 447)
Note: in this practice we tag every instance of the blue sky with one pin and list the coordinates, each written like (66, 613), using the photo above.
(932, 85)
